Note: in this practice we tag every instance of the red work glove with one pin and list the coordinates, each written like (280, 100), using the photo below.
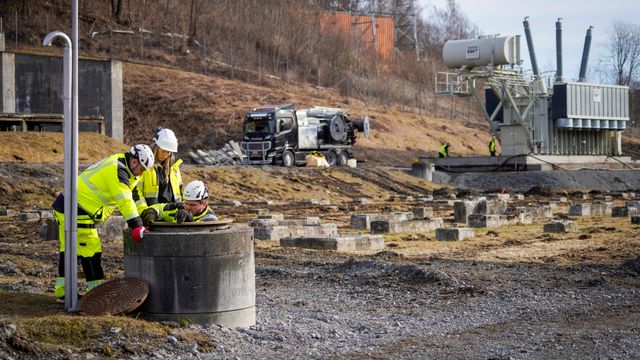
(138, 233)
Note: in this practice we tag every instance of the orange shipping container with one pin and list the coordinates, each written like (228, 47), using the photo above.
(374, 32)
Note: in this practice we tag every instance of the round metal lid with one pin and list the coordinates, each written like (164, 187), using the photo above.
(119, 296)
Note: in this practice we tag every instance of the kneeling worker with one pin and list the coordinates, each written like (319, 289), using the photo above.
(195, 207)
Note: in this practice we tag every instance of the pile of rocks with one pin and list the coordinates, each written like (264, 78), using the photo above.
(229, 154)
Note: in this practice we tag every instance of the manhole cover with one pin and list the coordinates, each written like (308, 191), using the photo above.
(119, 296)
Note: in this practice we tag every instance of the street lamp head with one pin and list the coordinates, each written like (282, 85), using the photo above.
(48, 40)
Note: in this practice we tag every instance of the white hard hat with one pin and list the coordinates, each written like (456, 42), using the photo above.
(144, 154)
(166, 140)
(195, 190)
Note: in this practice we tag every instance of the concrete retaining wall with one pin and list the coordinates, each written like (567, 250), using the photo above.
(32, 84)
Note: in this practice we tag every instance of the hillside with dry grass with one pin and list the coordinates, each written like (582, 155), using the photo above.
(207, 111)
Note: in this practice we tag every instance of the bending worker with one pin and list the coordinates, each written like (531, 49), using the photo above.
(194, 209)
(444, 150)
(492, 146)
(102, 188)
(162, 183)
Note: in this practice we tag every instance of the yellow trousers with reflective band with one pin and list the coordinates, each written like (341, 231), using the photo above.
(88, 240)
(88, 245)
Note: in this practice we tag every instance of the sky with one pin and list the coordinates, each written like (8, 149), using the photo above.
(505, 17)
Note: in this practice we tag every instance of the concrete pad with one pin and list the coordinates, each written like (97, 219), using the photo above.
(620, 211)
(394, 227)
(28, 217)
(517, 196)
(278, 232)
(400, 198)
(462, 209)
(308, 220)
(504, 197)
(225, 203)
(361, 200)
(561, 199)
(262, 223)
(487, 221)
(424, 198)
(422, 212)
(336, 243)
(7, 212)
(276, 217)
(601, 208)
(560, 226)
(580, 210)
(259, 202)
(453, 234)
(603, 197)
(45, 214)
(363, 221)
(525, 218)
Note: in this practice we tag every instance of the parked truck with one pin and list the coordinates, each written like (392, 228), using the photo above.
(279, 134)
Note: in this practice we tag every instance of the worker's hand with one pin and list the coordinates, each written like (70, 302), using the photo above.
(173, 206)
(149, 215)
(184, 216)
(138, 233)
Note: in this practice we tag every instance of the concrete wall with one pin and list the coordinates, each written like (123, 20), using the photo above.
(36, 88)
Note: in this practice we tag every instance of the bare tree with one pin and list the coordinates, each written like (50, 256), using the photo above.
(116, 9)
(623, 63)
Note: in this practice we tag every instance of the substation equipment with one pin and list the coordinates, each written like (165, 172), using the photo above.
(537, 114)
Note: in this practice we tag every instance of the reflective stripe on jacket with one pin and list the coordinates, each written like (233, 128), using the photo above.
(492, 146)
(107, 185)
(147, 190)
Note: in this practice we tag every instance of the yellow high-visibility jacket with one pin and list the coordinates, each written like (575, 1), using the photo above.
(169, 215)
(444, 150)
(146, 192)
(492, 146)
(107, 185)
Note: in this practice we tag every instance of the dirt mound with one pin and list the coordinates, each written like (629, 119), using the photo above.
(418, 276)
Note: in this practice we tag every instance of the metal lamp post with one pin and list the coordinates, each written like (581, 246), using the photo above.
(70, 128)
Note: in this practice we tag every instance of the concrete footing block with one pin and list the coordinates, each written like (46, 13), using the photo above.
(601, 208)
(7, 212)
(560, 226)
(28, 217)
(453, 234)
(341, 243)
(487, 221)
(276, 217)
(259, 211)
(278, 232)
(361, 200)
(620, 211)
(422, 212)
(394, 227)
(580, 210)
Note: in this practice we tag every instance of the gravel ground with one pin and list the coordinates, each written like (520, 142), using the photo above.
(314, 305)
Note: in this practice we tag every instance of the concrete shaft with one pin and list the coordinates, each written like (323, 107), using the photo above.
(203, 277)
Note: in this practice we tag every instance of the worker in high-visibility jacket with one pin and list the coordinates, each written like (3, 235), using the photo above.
(102, 188)
(492, 146)
(195, 207)
(444, 150)
(162, 183)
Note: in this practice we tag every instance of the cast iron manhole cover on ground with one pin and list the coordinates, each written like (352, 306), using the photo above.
(119, 296)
